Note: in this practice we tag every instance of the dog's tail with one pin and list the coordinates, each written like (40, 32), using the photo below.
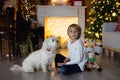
(15, 67)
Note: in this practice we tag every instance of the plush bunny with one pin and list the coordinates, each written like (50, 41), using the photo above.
(92, 63)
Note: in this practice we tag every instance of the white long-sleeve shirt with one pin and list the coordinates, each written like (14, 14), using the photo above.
(77, 53)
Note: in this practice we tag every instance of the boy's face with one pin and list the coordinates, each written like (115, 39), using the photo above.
(73, 34)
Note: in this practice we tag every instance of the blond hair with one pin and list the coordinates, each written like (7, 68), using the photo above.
(75, 26)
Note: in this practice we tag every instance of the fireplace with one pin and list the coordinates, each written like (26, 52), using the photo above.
(54, 18)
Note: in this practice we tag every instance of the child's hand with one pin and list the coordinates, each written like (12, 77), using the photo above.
(60, 64)
(66, 60)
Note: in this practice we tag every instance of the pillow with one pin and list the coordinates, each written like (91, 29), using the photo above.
(117, 29)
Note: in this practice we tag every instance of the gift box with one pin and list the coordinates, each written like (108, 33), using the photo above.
(77, 2)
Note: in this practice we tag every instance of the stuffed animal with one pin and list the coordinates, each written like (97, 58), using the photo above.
(92, 63)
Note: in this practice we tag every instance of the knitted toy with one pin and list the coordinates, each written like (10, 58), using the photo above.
(92, 63)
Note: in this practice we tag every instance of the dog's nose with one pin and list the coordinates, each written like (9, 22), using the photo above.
(57, 41)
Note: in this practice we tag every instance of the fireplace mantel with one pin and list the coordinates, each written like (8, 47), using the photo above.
(66, 11)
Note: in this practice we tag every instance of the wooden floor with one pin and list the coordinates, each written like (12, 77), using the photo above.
(110, 65)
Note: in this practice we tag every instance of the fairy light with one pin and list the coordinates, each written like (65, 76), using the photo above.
(113, 14)
(26, 9)
(97, 35)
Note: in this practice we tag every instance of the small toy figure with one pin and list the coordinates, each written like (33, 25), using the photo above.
(92, 63)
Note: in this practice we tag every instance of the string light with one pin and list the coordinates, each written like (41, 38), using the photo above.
(114, 14)
(97, 35)
(26, 7)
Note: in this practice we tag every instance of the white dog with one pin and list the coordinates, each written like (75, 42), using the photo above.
(40, 59)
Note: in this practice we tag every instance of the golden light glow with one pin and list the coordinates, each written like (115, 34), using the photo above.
(59, 2)
(57, 26)
(114, 14)
(97, 35)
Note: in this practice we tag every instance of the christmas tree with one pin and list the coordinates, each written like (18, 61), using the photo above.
(101, 11)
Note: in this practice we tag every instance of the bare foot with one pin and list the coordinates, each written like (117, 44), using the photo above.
(56, 70)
